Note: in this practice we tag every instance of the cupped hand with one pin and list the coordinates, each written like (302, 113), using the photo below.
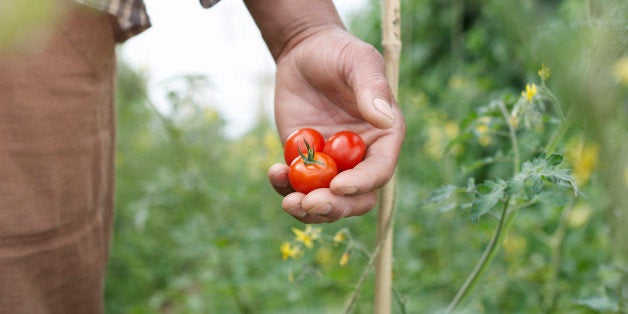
(332, 81)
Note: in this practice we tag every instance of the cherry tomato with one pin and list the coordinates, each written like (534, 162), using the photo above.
(295, 143)
(346, 148)
(315, 171)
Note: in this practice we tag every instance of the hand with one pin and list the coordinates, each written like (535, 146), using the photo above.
(332, 81)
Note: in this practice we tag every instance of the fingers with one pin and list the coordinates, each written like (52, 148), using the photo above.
(322, 205)
(366, 75)
(352, 192)
(278, 177)
(375, 170)
(318, 206)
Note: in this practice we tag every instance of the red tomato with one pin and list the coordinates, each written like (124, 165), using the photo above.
(295, 142)
(315, 171)
(346, 148)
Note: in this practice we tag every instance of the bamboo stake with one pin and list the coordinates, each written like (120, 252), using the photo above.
(383, 270)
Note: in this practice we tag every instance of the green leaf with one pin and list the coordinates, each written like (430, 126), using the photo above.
(471, 184)
(562, 178)
(485, 188)
(447, 207)
(599, 303)
(542, 168)
(514, 186)
(442, 193)
(554, 160)
(536, 183)
(488, 194)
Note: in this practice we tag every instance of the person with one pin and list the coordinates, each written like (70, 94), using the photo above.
(57, 138)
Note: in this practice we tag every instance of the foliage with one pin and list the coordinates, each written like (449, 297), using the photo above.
(197, 226)
(514, 161)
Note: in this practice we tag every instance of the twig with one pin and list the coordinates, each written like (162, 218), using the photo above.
(487, 256)
(513, 138)
(367, 269)
(556, 245)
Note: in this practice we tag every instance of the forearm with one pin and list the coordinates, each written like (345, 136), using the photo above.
(285, 23)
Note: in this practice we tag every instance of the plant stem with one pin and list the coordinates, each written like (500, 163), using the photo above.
(551, 145)
(400, 300)
(367, 269)
(513, 138)
(503, 224)
(556, 245)
(487, 256)
(524, 205)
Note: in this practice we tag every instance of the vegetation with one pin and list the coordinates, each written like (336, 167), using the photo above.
(511, 183)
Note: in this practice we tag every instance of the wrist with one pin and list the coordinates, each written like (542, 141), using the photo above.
(286, 23)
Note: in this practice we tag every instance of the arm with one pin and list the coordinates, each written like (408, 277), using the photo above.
(329, 80)
(285, 23)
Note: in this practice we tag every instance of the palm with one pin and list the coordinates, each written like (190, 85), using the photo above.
(313, 91)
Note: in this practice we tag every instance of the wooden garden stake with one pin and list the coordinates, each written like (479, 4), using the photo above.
(391, 42)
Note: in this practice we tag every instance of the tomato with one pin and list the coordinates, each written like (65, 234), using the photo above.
(311, 172)
(295, 143)
(346, 148)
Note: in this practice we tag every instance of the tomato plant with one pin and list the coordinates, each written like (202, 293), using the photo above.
(346, 148)
(294, 143)
(312, 171)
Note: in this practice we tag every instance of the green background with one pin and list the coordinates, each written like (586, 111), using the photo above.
(198, 228)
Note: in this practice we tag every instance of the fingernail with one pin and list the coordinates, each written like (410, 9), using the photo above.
(321, 209)
(384, 108)
(347, 190)
(296, 212)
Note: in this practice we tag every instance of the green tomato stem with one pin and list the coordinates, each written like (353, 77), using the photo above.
(309, 159)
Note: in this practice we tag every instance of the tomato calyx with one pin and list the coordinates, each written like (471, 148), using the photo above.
(309, 159)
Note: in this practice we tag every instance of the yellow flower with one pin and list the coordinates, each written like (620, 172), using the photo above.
(485, 140)
(584, 157)
(514, 246)
(451, 129)
(544, 72)
(484, 120)
(482, 129)
(586, 163)
(344, 259)
(210, 114)
(340, 237)
(621, 70)
(579, 216)
(315, 233)
(324, 257)
(289, 251)
(457, 82)
(307, 236)
(514, 120)
(434, 145)
(530, 92)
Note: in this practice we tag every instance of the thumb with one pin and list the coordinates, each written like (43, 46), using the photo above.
(373, 94)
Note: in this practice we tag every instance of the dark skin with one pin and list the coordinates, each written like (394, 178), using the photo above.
(329, 80)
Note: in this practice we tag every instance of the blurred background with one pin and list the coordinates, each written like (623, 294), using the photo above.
(223, 44)
(199, 230)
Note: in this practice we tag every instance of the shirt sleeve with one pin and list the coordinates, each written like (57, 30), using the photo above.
(208, 3)
(130, 15)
